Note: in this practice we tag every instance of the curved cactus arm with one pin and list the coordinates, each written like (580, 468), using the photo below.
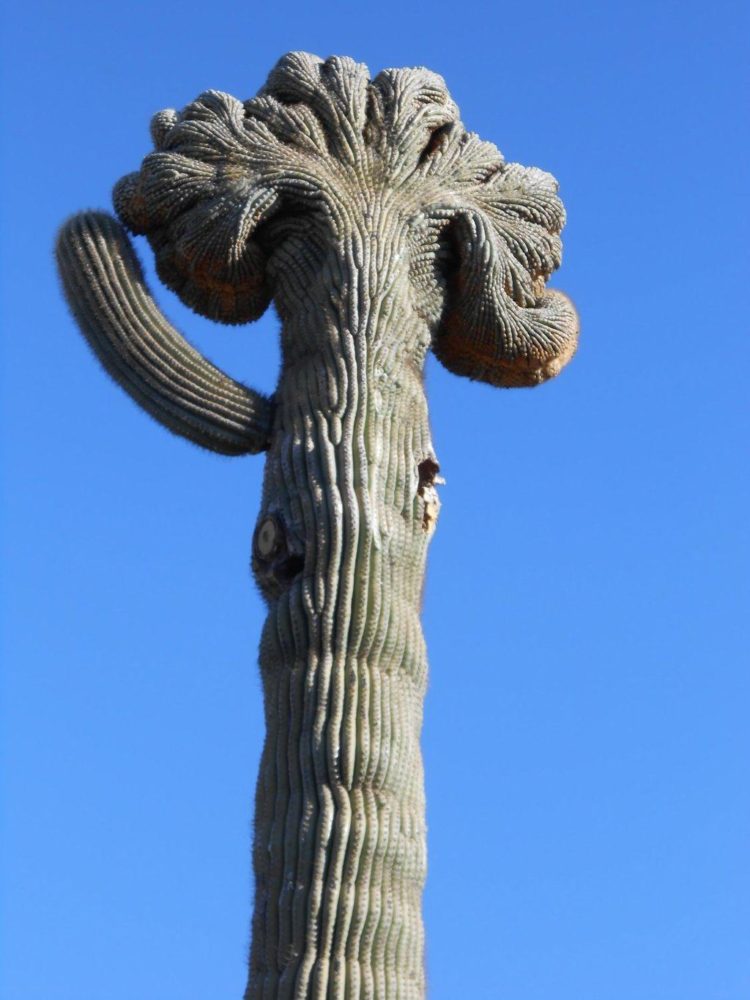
(108, 296)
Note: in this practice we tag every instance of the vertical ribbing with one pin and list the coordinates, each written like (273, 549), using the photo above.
(340, 848)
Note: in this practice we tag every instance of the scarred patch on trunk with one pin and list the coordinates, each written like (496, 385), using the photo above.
(428, 470)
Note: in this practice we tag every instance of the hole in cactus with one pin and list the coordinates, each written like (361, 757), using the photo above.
(291, 566)
(428, 470)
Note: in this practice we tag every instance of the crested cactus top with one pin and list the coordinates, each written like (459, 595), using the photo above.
(229, 182)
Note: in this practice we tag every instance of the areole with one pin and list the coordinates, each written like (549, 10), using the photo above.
(381, 229)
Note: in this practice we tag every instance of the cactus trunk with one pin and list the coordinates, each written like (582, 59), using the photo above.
(340, 821)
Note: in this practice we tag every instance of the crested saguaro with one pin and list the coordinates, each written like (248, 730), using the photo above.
(380, 228)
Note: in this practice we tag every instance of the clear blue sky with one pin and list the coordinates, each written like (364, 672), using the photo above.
(586, 734)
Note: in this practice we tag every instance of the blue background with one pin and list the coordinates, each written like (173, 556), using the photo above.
(586, 734)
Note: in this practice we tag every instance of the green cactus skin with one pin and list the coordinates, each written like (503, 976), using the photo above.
(381, 229)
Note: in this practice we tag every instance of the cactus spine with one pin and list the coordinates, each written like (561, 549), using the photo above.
(381, 229)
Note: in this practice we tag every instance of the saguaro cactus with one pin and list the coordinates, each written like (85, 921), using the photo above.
(381, 228)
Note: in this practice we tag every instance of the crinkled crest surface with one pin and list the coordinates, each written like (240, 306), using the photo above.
(321, 136)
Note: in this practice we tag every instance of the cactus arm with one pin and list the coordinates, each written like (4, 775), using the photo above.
(108, 296)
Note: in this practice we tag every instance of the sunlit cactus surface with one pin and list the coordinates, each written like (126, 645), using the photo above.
(381, 229)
